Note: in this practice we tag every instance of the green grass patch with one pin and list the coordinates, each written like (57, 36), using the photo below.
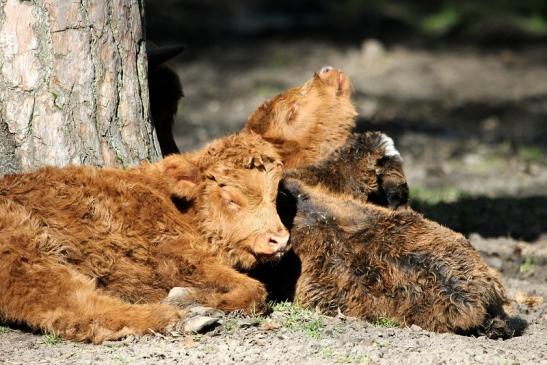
(530, 154)
(386, 322)
(314, 328)
(441, 22)
(527, 266)
(51, 338)
(229, 325)
(296, 318)
(434, 196)
(535, 23)
(4, 329)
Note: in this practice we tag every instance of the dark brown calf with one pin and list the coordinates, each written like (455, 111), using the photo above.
(368, 262)
(165, 91)
(367, 166)
(311, 125)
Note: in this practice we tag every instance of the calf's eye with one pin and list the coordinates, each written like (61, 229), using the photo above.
(229, 201)
(233, 205)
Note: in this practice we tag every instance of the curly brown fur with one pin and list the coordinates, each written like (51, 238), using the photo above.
(232, 187)
(90, 253)
(367, 166)
(368, 262)
(311, 125)
(308, 122)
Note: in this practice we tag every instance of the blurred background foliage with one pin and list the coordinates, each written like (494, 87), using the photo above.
(461, 86)
(486, 20)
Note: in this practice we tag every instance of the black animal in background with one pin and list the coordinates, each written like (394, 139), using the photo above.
(165, 91)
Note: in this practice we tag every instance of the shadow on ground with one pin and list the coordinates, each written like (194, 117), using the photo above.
(520, 218)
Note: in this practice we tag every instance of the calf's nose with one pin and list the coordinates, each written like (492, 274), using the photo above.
(279, 239)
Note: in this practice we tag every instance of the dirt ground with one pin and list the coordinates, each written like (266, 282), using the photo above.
(471, 125)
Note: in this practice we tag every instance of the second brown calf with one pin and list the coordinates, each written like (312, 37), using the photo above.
(308, 122)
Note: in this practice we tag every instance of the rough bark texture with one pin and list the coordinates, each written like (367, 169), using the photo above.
(73, 84)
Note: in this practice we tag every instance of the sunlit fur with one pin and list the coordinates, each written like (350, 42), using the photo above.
(90, 253)
(368, 262)
(233, 202)
(365, 167)
(308, 122)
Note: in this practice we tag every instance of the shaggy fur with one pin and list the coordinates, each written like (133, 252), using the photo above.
(311, 125)
(308, 122)
(90, 253)
(229, 193)
(368, 262)
(371, 167)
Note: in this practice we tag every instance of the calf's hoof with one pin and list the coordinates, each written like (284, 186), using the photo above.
(197, 319)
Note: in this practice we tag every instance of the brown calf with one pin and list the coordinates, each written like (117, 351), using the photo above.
(89, 253)
(311, 125)
(308, 122)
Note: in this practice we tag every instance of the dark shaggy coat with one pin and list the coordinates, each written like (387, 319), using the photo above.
(367, 166)
(369, 262)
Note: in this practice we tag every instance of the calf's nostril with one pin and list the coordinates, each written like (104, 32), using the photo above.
(279, 240)
(325, 69)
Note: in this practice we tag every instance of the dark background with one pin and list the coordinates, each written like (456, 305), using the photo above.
(461, 86)
(486, 22)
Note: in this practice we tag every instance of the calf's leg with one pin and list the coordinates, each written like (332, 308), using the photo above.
(219, 286)
(207, 280)
(48, 295)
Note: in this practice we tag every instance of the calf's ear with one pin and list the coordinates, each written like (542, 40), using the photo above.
(182, 174)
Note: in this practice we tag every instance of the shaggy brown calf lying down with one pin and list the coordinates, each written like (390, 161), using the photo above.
(368, 167)
(368, 261)
(89, 253)
(308, 122)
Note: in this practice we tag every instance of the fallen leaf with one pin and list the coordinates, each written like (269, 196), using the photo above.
(269, 325)
(530, 300)
(189, 343)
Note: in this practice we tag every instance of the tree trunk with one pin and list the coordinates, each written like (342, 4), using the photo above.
(73, 84)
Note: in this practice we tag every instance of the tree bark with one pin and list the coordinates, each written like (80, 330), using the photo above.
(73, 84)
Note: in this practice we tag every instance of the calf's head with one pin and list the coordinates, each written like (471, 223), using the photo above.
(375, 169)
(232, 186)
(308, 122)
(367, 166)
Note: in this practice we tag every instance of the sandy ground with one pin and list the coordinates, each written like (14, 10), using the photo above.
(293, 336)
(471, 126)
